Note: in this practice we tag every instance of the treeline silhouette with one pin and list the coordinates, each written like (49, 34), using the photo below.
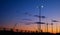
(21, 32)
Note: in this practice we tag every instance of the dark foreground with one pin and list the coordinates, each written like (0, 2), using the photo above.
(25, 33)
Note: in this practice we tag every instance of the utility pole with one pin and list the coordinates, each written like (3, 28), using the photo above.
(40, 17)
(47, 27)
(15, 26)
(56, 24)
(52, 27)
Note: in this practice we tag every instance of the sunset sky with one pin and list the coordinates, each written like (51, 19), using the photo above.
(13, 11)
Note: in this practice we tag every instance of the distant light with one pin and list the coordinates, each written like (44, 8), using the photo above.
(42, 6)
(37, 7)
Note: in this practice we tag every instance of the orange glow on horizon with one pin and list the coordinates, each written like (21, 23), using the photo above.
(34, 27)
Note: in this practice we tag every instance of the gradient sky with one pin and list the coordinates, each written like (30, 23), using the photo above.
(13, 11)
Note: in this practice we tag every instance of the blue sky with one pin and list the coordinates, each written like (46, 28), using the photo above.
(14, 10)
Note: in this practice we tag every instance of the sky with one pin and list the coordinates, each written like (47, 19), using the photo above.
(13, 11)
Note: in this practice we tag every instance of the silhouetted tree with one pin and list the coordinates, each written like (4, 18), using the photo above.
(11, 30)
(25, 31)
(21, 30)
(4, 29)
(41, 31)
(36, 31)
(16, 30)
